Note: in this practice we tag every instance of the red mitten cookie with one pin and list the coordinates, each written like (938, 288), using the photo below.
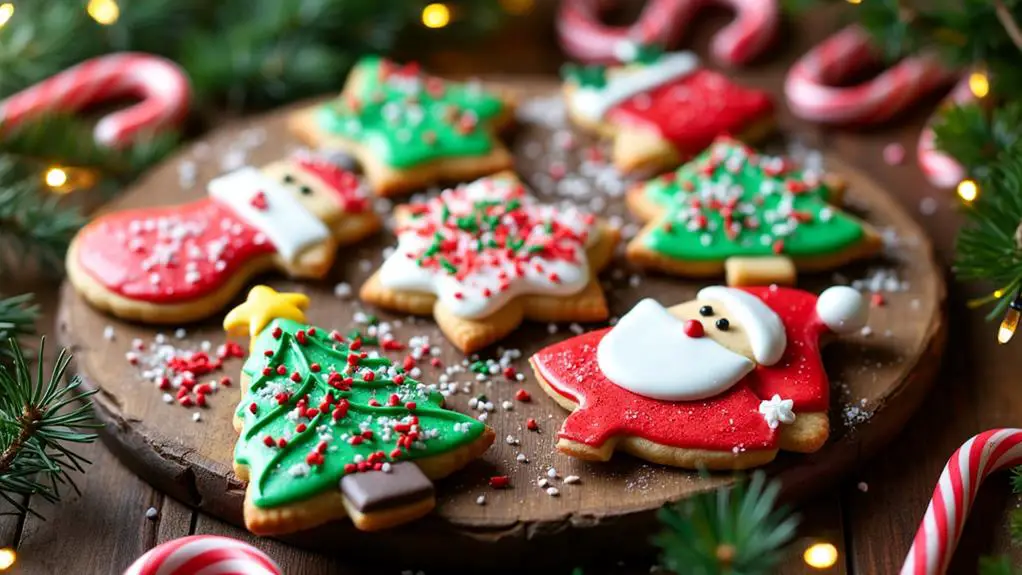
(182, 263)
(721, 382)
(662, 109)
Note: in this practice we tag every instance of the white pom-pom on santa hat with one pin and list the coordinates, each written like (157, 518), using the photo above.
(764, 328)
(842, 309)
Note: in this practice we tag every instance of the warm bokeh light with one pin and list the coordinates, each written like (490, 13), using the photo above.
(517, 7)
(56, 177)
(820, 555)
(6, 11)
(436, 15)
(855, 1)
(979, 83)
(7, 558)
(1009, 324)
(968, 190)
(998, 293)
(105, 12)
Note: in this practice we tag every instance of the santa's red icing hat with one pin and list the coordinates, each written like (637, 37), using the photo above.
(346, 184)
(784, 326)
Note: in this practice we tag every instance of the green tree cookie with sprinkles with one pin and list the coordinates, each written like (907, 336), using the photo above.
(409, 129)
(329, 430)
(756, 219)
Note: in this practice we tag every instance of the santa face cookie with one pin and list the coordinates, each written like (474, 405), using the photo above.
(754, 217)
(484, 256)
(326, 431)
(721, 382)
(662, 109)
(409, 129)
(182, 263)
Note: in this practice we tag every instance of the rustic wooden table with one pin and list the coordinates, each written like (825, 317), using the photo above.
(871, 516)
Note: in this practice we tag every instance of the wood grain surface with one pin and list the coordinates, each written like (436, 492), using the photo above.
(870, 516)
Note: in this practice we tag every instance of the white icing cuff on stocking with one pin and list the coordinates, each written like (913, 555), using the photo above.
(287, 224)
(593, 103)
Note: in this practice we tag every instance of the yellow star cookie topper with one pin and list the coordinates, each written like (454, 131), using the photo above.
(264, 304)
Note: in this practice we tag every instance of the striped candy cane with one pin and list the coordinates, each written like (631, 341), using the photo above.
(810, 86)
(941, 169)
(159, 83)
(586, 38)
(206, 554)
(941, 528)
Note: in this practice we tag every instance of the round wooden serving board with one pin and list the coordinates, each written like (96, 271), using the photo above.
(878, 379)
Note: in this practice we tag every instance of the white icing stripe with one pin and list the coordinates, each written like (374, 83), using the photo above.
(288, 225)
(648, 353)
(764, 328)
(593, 103)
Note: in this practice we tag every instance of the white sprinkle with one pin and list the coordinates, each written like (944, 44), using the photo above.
(507, 405)
(510, 440)
(168, 398)
(521, 458)
(551, 473)
(151, 513)
(866, 331)
(552, 491)
(180, 333)
(108, 333)
(386, 467)
(572, 479)
(863, 486)
(481, 500)
(342, 290)
(196, 416)
(543, 482)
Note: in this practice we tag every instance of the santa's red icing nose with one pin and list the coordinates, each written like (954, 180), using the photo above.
(694, 328)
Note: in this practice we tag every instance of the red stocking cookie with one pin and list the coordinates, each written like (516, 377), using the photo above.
(661, 108)
(183, 263)
(723, 381)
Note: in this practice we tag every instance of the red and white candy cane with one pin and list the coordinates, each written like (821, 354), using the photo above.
(942, 524)
(813, 91)
(941, 169)
(585, 37)
(160, 84)
(206, 555)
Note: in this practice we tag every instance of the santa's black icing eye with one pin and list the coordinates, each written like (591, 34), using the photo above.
(289, 179)
(306, 190)
(706, 310)
(723, 324)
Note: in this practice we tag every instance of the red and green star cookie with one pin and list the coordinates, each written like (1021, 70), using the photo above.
(409, 129)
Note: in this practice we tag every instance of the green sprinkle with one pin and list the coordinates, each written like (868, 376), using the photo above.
(448, 266)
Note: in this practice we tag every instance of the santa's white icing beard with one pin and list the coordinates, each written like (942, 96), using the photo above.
(649, 353)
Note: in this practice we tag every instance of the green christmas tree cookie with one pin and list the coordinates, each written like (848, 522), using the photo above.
(755, 218)
(328, 429)
(409, 129)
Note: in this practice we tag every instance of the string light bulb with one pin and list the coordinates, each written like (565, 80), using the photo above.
(855, 1)
(979, 84)
(55, 177)
(6, 11)
(968, 191)
(106, 12)
(820, 555)
(8, 557)
(1011, 319)
(436, 15)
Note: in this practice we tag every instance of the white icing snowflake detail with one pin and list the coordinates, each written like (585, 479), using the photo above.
(776, 411)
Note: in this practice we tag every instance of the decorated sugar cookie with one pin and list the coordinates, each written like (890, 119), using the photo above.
(328, 430)
(182, 263)
(409, 129)
(484, 256)
(662, 108)
(723, 381)
(754, 217)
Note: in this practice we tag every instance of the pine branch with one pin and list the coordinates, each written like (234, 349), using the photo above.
(42, 419)
(736, 530)
(17, 318)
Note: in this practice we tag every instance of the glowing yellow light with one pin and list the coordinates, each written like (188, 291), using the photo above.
(56, 177)
(855, 1)
(820, 555)
(968, 190)
(998, 293)
(7, 558)
(6, 11)
(979, 83)
(517, 7)
(105, 12)
(436, 15)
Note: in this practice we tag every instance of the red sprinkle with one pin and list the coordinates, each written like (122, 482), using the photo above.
(281, 443)
(531, 424)
(276, 333)
(252, 407)
(410, 406)
(500, 481)
(268, 441)
(877, 300)
(523, 395)
(301, 427)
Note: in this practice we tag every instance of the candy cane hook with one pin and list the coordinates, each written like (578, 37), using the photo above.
(811, 84)
(941, 169)
(204, 554)
(586, 38)
(161, 85)
(942, 524)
